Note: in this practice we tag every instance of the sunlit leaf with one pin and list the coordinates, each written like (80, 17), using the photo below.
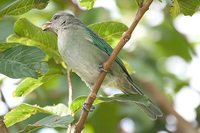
(78, 102)
(175, 9)
(22, 61)
(184, 6)
(111, 32)
(21, 113)
(139, 2)
(22, 6)
(30, 84)
(87, 3)
(52, 121)
(59, 109)
(29, 34)
(5, 46)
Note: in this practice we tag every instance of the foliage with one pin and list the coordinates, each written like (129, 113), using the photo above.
(21, 6)
(22, 61)
(30, 54)
(87, 3)
(184, 6)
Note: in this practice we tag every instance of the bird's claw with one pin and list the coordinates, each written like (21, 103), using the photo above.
(101, 68)
(86, 109)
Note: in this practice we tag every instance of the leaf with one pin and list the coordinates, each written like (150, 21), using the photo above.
(139, 2)
(175, 9)
(21, 113)
(29, 34)
(59, 109)
(5, 46)
(22, 61)
(30, 84)
(87, 3)
(51, 121)
(172, 42)
(111, 31)
(22, 6)
(184, 6)
(78, 102)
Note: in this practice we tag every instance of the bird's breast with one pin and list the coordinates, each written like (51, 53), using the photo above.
(80, 54)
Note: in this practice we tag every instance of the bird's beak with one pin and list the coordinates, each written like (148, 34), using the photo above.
(46, 26)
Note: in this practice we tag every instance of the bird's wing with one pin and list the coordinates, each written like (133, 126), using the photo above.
(104, 46)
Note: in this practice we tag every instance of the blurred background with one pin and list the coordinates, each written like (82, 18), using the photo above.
(164, 53)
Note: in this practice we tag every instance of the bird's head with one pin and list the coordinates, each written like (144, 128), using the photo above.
(58, 21)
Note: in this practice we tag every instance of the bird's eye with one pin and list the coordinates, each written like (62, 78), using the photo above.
(56, 17)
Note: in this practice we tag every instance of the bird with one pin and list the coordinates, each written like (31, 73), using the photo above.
(84, 52)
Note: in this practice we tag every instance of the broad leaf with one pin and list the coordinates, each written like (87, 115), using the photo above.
(87, 3)
(22, 6)
(139, 2)
(30, 84)
(24, 111)
(52, 121)
(111, 32)
(29, 34)
(184, 6)
(21, 113)
(22, 61)
(59, 109)
(175, 9)
(173, 45)
(5, 46)
(78, 102)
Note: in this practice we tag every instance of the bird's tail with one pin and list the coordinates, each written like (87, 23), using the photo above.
(148, 106)
(151, 110)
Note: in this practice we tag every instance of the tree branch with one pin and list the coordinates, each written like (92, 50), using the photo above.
(69, 129)
(91, 97)
(3, 128)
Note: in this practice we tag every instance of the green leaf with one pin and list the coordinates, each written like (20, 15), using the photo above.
(87, 3)
(173, 43)
(5, 46)
(30, 84)
(59, 109)
(175, 9)
(29, 34)
(21, 113)
(22, 6)
(184, 6)
(51, 121)
(78, 102)
(22, 61)
(139, 2)
(111, 31)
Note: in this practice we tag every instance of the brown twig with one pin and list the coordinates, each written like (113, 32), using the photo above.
(77, 9)
(69, 129)
(91, 97)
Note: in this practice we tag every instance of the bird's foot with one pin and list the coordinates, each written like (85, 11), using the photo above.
(101, 69)
(86, 109)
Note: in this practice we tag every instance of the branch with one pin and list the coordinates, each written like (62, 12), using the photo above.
(3, 128)
(69, 129)
(77, 9)
(91, 97)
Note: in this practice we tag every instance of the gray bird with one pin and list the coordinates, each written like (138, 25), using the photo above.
(85, 52)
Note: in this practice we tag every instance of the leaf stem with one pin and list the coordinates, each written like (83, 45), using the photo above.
(91, 97)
